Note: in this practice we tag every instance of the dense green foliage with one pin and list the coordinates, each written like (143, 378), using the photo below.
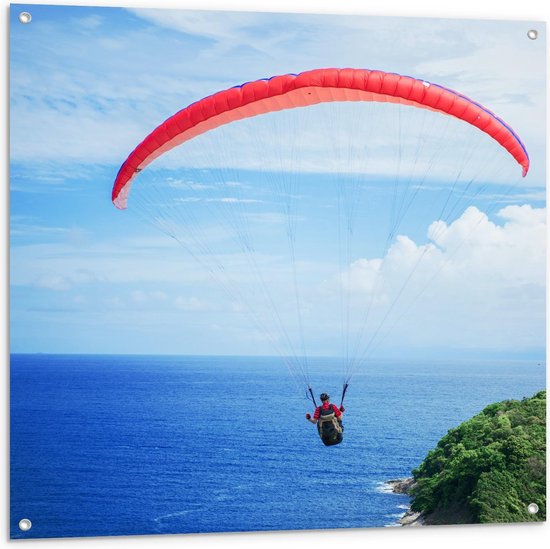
(489, 468)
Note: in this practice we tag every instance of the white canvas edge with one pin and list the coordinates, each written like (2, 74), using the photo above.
(528, 536)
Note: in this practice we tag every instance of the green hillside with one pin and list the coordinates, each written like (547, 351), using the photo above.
(488, 469)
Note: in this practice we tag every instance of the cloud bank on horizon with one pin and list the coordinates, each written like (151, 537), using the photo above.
(89, 91)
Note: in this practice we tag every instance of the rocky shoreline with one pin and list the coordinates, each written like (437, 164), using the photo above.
(404, 486)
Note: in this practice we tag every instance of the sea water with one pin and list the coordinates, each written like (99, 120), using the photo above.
(114, 445)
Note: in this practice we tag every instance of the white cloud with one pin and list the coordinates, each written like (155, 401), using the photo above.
(221, 200)
(188, 199)
(102, 261)
(140, 296)
(18, 229)
(513, 253)
(54, 282)
(234, 200)
(230, 28)
(192, 304)
(114, 302)
(182, 184)
(100, 106)
(59, 280)
(90, 23)
(524, 215)
(477, 283)
(361, 276)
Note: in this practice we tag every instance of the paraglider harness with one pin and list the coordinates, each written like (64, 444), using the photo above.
(329, 427)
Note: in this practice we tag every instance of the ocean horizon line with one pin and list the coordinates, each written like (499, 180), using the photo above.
(411, 359)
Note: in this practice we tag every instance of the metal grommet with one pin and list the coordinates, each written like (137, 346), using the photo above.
(25, 17)
(532, 508)
(25, 525)
(532, 34)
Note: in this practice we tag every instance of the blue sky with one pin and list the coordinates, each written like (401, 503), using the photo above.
(87, 84)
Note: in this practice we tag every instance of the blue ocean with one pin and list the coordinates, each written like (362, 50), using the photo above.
(116, 445)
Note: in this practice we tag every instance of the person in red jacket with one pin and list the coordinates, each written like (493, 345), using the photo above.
(328, 418)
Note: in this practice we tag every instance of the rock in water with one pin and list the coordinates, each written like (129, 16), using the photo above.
(410, 518)
(401, 485)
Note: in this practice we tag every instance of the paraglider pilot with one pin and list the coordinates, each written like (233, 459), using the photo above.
(328, 418)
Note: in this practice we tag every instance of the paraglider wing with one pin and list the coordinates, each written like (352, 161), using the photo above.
(300, 90)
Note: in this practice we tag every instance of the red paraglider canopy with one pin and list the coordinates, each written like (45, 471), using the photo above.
(300, 90)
